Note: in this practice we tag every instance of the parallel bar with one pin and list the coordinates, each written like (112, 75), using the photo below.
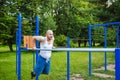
(77, 49)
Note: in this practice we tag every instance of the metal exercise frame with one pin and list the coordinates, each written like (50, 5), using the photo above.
(92, 27)
(19, 43)
(68, 50)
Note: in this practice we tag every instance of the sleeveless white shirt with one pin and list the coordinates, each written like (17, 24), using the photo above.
(46, 45)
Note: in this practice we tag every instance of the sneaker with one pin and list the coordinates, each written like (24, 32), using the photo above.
(33, 75)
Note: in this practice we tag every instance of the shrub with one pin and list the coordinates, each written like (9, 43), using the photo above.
(60, 40)
(73, 44)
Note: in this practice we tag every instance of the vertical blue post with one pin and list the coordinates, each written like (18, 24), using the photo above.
(117, 64)
(90, 45)
(19, 45)
(37, 44)
(105, 45)
(68, 59)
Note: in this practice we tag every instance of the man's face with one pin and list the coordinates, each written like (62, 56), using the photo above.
(49, 35)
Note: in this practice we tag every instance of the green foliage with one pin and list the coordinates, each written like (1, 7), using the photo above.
(64, 17)
(114, 10)
(47, 22)
(7, 28)
(98, 35)
(28, 9)
(111, 37)
(61, 40)
(74, 20)
(73, 44)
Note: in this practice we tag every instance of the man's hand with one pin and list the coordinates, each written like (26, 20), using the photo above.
(53, 47)
(34, 48)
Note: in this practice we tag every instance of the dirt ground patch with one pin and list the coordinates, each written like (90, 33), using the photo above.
(76, 77)
(103, 75)
(110, 67)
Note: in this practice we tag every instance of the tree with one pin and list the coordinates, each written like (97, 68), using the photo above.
(114, 11)
(7, 23)
(29, 9)
(73, 18)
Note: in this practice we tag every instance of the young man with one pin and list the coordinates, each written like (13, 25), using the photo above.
(43, 62)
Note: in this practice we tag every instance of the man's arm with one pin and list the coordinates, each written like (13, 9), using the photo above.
(39, 38)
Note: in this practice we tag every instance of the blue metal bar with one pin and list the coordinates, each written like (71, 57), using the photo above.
(90, 36)
(37, 44)
(19, 64)
(19, 44)
(90, 45)
(117, 64)
(105, 45)
(113, 23)
(107, 24)
(68, 59)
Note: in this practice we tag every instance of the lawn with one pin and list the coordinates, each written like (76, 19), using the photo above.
(78, 63)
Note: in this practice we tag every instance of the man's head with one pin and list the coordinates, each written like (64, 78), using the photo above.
(49, 34)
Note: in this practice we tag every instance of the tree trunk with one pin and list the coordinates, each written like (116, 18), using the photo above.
(119, 38)
(9, 41)
(85, 43)
(93, 43)
(79, 42)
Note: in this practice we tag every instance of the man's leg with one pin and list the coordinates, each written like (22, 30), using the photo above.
(47, 68)
(39, 67)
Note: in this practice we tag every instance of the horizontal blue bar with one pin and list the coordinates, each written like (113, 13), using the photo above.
(106, 24)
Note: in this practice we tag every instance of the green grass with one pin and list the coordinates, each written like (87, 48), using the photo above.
(106, 72)
(79, 65)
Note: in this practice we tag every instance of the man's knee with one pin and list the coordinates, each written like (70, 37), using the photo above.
(46, 72)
